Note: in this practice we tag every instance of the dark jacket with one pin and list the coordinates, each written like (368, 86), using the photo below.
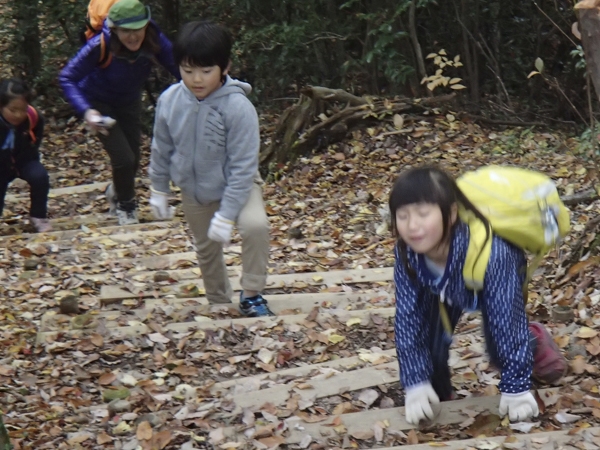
(24, 149)
(118, 84)
(501, 303)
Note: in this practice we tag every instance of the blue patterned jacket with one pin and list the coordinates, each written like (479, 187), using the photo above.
(500, 301)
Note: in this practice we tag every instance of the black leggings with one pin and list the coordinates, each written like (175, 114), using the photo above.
(39, 183)
(123, 146)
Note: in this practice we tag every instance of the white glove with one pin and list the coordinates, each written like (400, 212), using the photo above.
(519, 406)
(220, 229)
(159, 202)
(421, 403)
(97, 122)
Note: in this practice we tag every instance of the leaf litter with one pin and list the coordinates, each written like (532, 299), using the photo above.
(336, 208)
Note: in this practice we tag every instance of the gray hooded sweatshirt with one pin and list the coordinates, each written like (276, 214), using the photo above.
(208, 148)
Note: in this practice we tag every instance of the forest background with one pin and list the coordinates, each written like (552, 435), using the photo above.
(368, 47)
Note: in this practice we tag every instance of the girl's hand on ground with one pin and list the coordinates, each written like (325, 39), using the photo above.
(519, 407)
(421, 403)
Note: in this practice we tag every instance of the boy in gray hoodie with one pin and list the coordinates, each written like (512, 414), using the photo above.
(206, 140)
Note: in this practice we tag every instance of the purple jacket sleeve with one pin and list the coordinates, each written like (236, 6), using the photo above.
(81, 65)
(165, 56)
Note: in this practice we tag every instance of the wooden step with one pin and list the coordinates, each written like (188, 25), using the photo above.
(59, 192)
(451, 413)
(280, 304)
(302, 280)
(206, 323)
(122, 233)
(570, 439)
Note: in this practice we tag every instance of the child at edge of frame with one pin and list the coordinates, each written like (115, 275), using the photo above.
(21, 133)
(430, 255)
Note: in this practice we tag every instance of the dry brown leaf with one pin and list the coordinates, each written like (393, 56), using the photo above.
(578, 364)
(412, 438)
(162, 439)
(363, 435)
(144, 431)
(272, 442)
(103, 438)
(186, 371)
(106, 378)
(97, 340)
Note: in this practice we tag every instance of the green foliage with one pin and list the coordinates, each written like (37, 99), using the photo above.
(440, 77)
(579, 58)
(588, 144)
(359, 45)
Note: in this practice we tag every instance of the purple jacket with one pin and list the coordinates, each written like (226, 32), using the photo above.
(83, 81)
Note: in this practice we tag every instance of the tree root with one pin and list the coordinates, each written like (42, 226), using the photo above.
(298, 133)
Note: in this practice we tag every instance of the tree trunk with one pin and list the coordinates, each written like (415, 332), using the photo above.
(589, 27)
(469, 52)
(412, 26)
(28, 37)
(171, 16)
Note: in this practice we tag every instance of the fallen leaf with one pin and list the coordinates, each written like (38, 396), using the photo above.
(144, 431)
(159, 338)
(162, 439)
(586, 333)
(103, 438)
(106, 378)
(336, 338)
(565, 417)
(353, 321)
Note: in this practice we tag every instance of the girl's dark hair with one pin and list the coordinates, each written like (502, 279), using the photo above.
(14, 88)
(150, 44)
(203, 44)
(428, 185)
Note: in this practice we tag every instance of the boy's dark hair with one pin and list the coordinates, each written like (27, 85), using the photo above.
(14, 88)
(203, 44)
(428, 185)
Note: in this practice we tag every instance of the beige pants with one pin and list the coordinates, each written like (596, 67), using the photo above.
(253, 227)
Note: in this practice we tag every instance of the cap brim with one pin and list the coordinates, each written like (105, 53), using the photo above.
(135, 25)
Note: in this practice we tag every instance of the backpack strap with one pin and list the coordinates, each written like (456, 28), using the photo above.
(32, 115)
(479, 250)
(105, 54)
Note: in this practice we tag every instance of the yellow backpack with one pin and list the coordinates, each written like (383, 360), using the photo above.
(521, 206)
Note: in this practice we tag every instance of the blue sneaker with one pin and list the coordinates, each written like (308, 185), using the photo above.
(254, 306)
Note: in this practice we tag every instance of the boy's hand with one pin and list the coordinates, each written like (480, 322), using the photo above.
(421, 403)
(519, 406)
(220, 229)
(159, 202)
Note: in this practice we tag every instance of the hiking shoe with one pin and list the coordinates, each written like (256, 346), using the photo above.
(111, 196)
(41, 225)
(126, 213)
(549, 365)
(254, 306)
